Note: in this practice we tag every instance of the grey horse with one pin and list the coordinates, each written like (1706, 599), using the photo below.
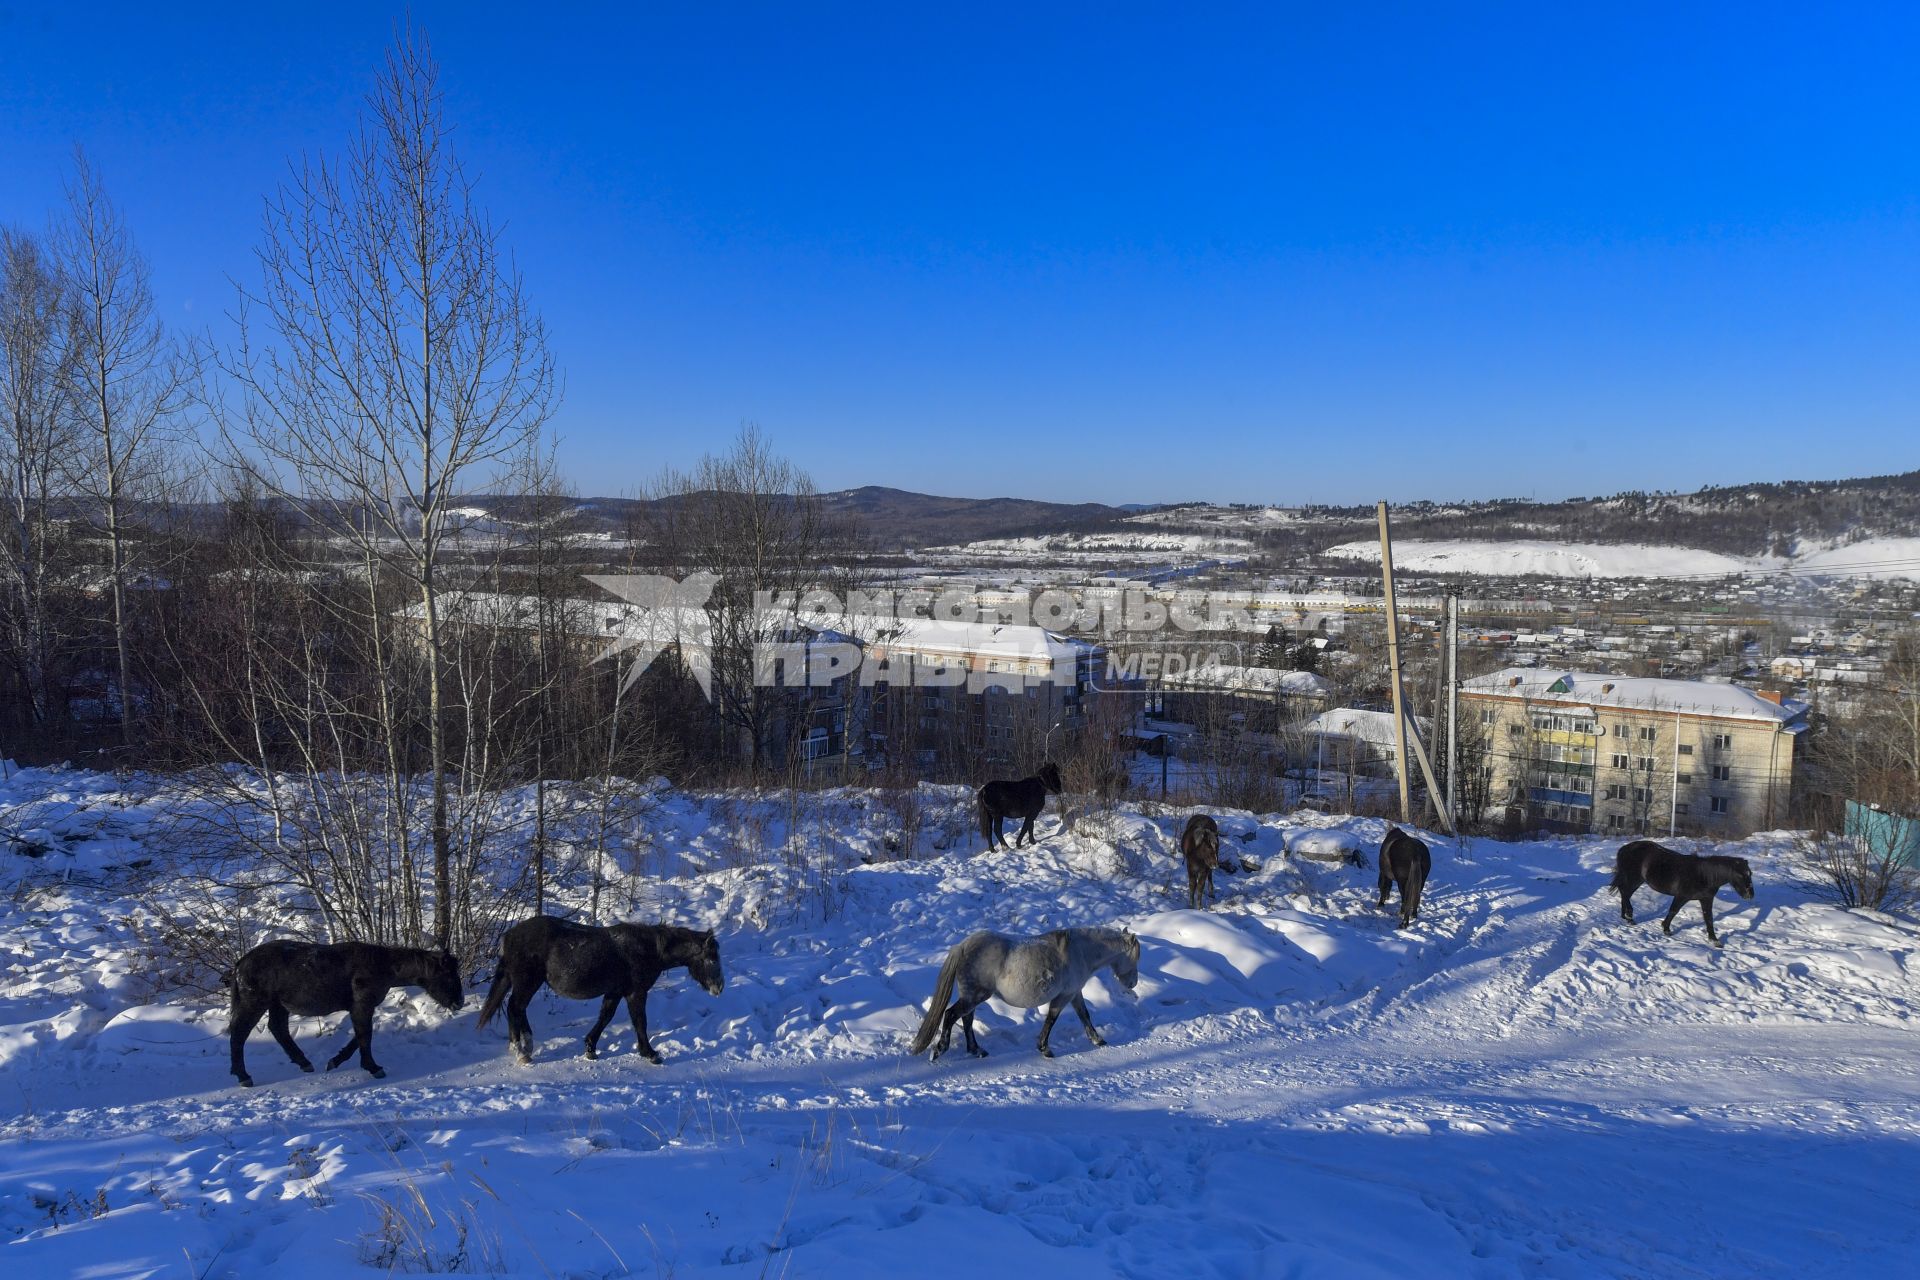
(1026, 972)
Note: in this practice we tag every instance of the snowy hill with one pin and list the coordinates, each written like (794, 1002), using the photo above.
(1521, 1083)
(1872, 558)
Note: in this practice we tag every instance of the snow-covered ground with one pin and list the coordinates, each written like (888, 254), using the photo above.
(1520, 1084)
(1102, 550)
(1873, 558)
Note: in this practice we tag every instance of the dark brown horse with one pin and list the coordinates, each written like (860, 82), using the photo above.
(610, 963)
(1025, 798)
(1405, 862)
(313, 979)
(1200, 844)
(1686, 877)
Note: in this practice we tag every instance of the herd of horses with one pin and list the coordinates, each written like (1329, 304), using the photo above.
(612, 963)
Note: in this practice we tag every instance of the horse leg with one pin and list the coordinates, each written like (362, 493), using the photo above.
(277, 1023)
(346, 1051)
(1706, 909)
(1046, 1027)
(637, 1006)
(246, 1015)
(1626, 900)
(1386, 883)
(1672, 911)
(609, 1006)
(1086, 1020)
(1026, 831)
(364, 1003)
(973, 1041)
(947, 1020)
(519, 1030)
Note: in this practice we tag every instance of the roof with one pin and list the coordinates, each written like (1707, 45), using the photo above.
(1634, 693)
(974, 639)
(1375, 727)
(1228, 678)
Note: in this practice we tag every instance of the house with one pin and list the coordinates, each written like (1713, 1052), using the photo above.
(955, 694)
(1355, 740)
(1581, 751)
(1258, 699)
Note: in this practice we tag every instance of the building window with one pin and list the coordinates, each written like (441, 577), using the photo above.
(1619, 761)
(1642, 795)
(1646, 764)
(1619, 731)
(1683, 777)
(1616, 791)
(1680, 810)
(1722, 741)
(1514, 730)
(1722, 772)
(1686, 748)
(1648, 733)
(1486, 717)
(1719, 804)
(1616, 823)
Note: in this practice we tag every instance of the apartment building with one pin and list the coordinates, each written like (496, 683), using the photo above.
(1582, 751)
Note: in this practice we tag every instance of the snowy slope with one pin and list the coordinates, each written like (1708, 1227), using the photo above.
(1522, 1083)
(1872, 558)
(1547, 559)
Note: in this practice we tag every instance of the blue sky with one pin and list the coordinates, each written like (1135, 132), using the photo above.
(1106, 252)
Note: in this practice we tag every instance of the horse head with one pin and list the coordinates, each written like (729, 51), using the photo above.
(1742, 877)
(442, 981)
(1126, 966)
(704, 964)
(1049, 776)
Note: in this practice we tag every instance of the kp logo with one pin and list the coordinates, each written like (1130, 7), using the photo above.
(663, 612)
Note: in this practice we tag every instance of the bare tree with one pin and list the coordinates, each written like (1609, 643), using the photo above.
(401, 363)
(36, 439)
(128, 382)
(754, 521)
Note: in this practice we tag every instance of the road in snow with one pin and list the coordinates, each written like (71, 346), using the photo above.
(1521, 1084)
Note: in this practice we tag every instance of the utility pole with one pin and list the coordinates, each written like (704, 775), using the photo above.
(1393, 666)
(1453, 702)
(1404, 735)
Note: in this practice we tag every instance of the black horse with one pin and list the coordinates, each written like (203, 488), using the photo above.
(313, 979)
(584, 961)
(1200, 845)
(1686, 877)
(1404, 861)
(1004, 798)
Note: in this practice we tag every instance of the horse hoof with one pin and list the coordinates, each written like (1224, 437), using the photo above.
(977, 1053)
(525, 1059)
(378, 1073)
(307, 1067)
(655, 1059)
(1046, 1053)
(593, 1054)
(246, 1082)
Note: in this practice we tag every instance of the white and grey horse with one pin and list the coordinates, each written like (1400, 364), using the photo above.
(1025, 972)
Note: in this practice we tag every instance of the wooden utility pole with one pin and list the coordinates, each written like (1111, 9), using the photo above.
(1393, 666)
(1404, 735)
(1453, 702)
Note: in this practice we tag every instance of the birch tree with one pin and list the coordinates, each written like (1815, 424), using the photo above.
(388, 361)
(35, 442)
(127, 383)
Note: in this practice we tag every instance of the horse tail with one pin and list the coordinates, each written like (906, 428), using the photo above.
(496, 994)
(942, 992)
(1620, 876)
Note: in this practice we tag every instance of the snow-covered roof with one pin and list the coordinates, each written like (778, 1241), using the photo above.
(1235, 679)
(1375, 727)
(974, 639)
(1636, 693)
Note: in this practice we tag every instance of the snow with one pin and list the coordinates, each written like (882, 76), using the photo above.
(1520, 1084)
(1548, 559)
(1870, 558)
(1641, 693)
